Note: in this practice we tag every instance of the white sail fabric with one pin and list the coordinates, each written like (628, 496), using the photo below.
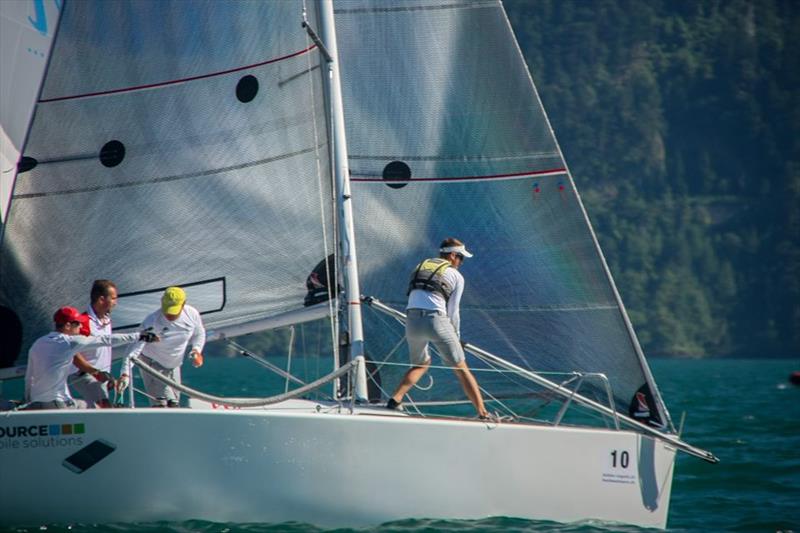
(447, 137)
(27, 29)
(177, 143)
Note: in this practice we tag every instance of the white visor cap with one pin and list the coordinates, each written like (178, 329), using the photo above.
(457, 249)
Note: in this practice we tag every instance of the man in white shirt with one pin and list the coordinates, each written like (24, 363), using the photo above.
(179, 325)
(434, 296)
(103, 298)
(50, 359)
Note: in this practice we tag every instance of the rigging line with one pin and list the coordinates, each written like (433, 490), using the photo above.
(245, 402)
(508, 375)
(391, 352)
(289, 357)
(472, 4)
(385, 324)
(293, 77)
(176, 81)
(164, 179)
(542, 308)
(492, 398)
(455, 179)
(523, 308)
(334, 327)
(266, 364)
(379, 365)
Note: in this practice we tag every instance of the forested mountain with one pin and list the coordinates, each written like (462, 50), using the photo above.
(680, 120)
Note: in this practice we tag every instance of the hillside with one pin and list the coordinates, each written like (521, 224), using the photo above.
(681, 124)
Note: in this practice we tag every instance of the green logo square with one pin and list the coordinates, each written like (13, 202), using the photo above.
(77, 429)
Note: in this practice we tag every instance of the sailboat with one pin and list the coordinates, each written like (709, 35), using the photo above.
(231, 148)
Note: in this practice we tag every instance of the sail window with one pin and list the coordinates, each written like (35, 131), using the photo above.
(112, 153)
(26, 163)
(395, 172)
(247, 89)
(206, 296)
(11, 333)
(317, 283)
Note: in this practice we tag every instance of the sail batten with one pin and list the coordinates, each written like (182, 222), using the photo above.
(162, 179)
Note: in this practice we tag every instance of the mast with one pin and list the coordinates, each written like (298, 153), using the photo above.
(347, 243)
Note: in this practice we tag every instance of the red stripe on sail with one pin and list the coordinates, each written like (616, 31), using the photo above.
(467, 178)
(181, 80)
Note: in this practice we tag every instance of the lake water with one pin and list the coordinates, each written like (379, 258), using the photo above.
(744, 411)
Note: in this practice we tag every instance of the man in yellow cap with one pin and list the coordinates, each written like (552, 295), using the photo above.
(179, 326)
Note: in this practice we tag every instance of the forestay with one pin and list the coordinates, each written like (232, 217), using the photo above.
(447, 137)
(174, 143)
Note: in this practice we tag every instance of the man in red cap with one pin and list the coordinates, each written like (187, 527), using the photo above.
(50, 359)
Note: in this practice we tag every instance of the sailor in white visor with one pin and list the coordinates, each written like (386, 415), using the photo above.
(434, 295)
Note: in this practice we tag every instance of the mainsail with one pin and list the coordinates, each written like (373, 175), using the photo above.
(173, 143)
(447, 137)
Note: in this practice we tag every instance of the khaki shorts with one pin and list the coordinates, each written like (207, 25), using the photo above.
(162, 394)
(88, 388)
(425, 326)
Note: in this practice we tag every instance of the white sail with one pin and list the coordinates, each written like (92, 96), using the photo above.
(27, 30)
(178, 143)
(448, 137)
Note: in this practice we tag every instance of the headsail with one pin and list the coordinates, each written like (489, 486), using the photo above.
(177, 143)
(27, 30)
(448, 137)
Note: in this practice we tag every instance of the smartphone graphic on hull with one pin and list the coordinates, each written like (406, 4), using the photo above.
(88, 456)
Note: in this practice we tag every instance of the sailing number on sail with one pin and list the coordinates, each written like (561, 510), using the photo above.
(39, 22)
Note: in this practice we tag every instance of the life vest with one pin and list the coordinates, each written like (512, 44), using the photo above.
(429, 276)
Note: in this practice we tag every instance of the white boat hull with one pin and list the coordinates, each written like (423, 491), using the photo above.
(331, 469)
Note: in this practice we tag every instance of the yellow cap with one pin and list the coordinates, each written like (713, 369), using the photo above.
(173, 300)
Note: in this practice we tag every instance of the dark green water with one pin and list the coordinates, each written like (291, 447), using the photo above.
(745, 411)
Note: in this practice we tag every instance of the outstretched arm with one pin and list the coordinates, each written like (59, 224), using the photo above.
(84, 366)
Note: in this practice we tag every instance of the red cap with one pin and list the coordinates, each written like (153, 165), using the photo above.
(66, 314)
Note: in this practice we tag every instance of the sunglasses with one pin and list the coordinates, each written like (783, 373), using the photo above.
(74, 323)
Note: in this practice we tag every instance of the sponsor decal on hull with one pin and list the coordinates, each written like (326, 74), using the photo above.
(33, 436)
